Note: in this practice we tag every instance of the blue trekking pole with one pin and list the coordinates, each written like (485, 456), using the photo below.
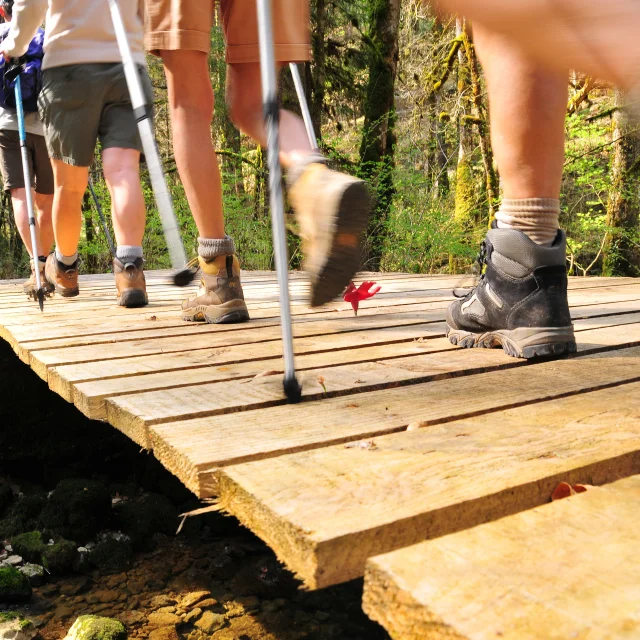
(40, 292)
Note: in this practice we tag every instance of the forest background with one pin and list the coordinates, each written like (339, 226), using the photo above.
(397, 97)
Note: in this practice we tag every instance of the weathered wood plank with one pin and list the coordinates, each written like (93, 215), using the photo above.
(564, 570)
(133, 413)
(326, 511)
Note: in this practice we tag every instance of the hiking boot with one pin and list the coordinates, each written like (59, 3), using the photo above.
(220, 299)
(520, 302)
(30, 287)
(63, 278)
(332, 210)
(130, 283)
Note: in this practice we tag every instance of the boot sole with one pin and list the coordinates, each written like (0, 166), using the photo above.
(232, 312)
(133, 298)
(527, 343)
(67, 293)
(344, 256)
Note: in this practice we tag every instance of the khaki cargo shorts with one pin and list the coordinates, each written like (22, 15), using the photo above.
(186, 24)
(83, 103)
(11, 162)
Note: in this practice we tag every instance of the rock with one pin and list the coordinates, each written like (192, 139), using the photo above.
(322, 616)
(115, 581)
(163, 619)
(194, 614)
(13, 561)
(164, 633)
(73, 586)
(14, 586)
(249, 603)
(49, 590)
(77, 508)
(34, 572)
(207, 603)
(23, 515)
(191, 599)
(162, 600)
(129, 618)
(16, 627)
(59, 557)
(210, 622)
(29, 545)
(62, 612)
(170, 609)
(140, 519)
(113, 553)
(96, 628)
(135, 586)
(105, 595)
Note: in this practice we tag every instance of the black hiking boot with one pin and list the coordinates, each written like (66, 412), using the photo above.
(520, 302)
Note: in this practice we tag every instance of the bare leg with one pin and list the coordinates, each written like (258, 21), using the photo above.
(244, 95)
(44, 205)
(600, 38)
(21, 216)
(191, 104)
(71, 183)
(528, 106)
(122, 175)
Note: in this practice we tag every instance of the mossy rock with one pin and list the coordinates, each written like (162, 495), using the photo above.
(58, 558)
(16, 626)
(29, 545)
(140, 519)
(112, 554)
(77, 509)
(14, 587)
(96, 628)
(23, 515)
(6, 497)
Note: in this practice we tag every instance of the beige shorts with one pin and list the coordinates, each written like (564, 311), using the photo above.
(186, 24)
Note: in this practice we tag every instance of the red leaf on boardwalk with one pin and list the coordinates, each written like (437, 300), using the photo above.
(356, 295)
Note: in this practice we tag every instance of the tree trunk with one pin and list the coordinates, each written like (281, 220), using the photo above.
(621, 253)
(318, 69)
(378, 138)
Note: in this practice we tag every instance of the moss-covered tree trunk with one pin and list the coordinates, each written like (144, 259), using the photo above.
(621, 253)
(378, 137)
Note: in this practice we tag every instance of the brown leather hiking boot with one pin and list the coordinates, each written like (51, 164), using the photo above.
(220, 299)
(130, 283)
(332, 210)
(62, 278)
(30, 287)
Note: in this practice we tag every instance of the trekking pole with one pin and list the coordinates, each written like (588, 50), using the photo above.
(304, 107)
(40, 292)
(107, 233)
(182, 275)
(292, 388)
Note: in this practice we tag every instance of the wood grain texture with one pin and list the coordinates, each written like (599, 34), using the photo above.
(568, 569)
(325, 511)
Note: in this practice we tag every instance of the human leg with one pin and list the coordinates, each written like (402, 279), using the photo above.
(521, 302)
(599, 38)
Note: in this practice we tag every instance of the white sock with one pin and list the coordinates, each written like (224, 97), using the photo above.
(128, 253)
(68, 261)
(535, 217)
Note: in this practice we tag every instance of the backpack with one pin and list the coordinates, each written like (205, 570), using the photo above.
(29, 68)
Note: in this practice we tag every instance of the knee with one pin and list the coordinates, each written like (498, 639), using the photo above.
(121, 165)
(245, 110)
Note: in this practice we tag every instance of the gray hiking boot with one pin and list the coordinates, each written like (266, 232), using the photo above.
(520, 302)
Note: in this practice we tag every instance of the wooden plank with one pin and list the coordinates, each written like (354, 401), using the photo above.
(564, 570)
(41, 361)
(195, 450)
(326, 511)
(62, 379)
(136, 412)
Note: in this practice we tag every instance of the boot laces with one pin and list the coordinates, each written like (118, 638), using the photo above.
(478, 271)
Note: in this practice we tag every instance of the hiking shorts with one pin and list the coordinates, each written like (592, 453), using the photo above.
(37, 156)
(83, 103)
(186, 24)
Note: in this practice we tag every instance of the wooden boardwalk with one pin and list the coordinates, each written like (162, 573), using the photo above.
(401, 437)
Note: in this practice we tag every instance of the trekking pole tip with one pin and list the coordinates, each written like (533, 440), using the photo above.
(40, 296)
(183, 277)
(292, 390)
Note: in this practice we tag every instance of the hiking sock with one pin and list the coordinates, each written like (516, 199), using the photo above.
(211, 248)
(67, 261)
(535, 217)
(293, 173)
(128, 253)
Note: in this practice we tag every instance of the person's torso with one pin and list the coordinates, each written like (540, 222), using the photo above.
(79, 31)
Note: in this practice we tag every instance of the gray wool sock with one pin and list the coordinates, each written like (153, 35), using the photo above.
(68, 261)
(128, 253)
(211, 248)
